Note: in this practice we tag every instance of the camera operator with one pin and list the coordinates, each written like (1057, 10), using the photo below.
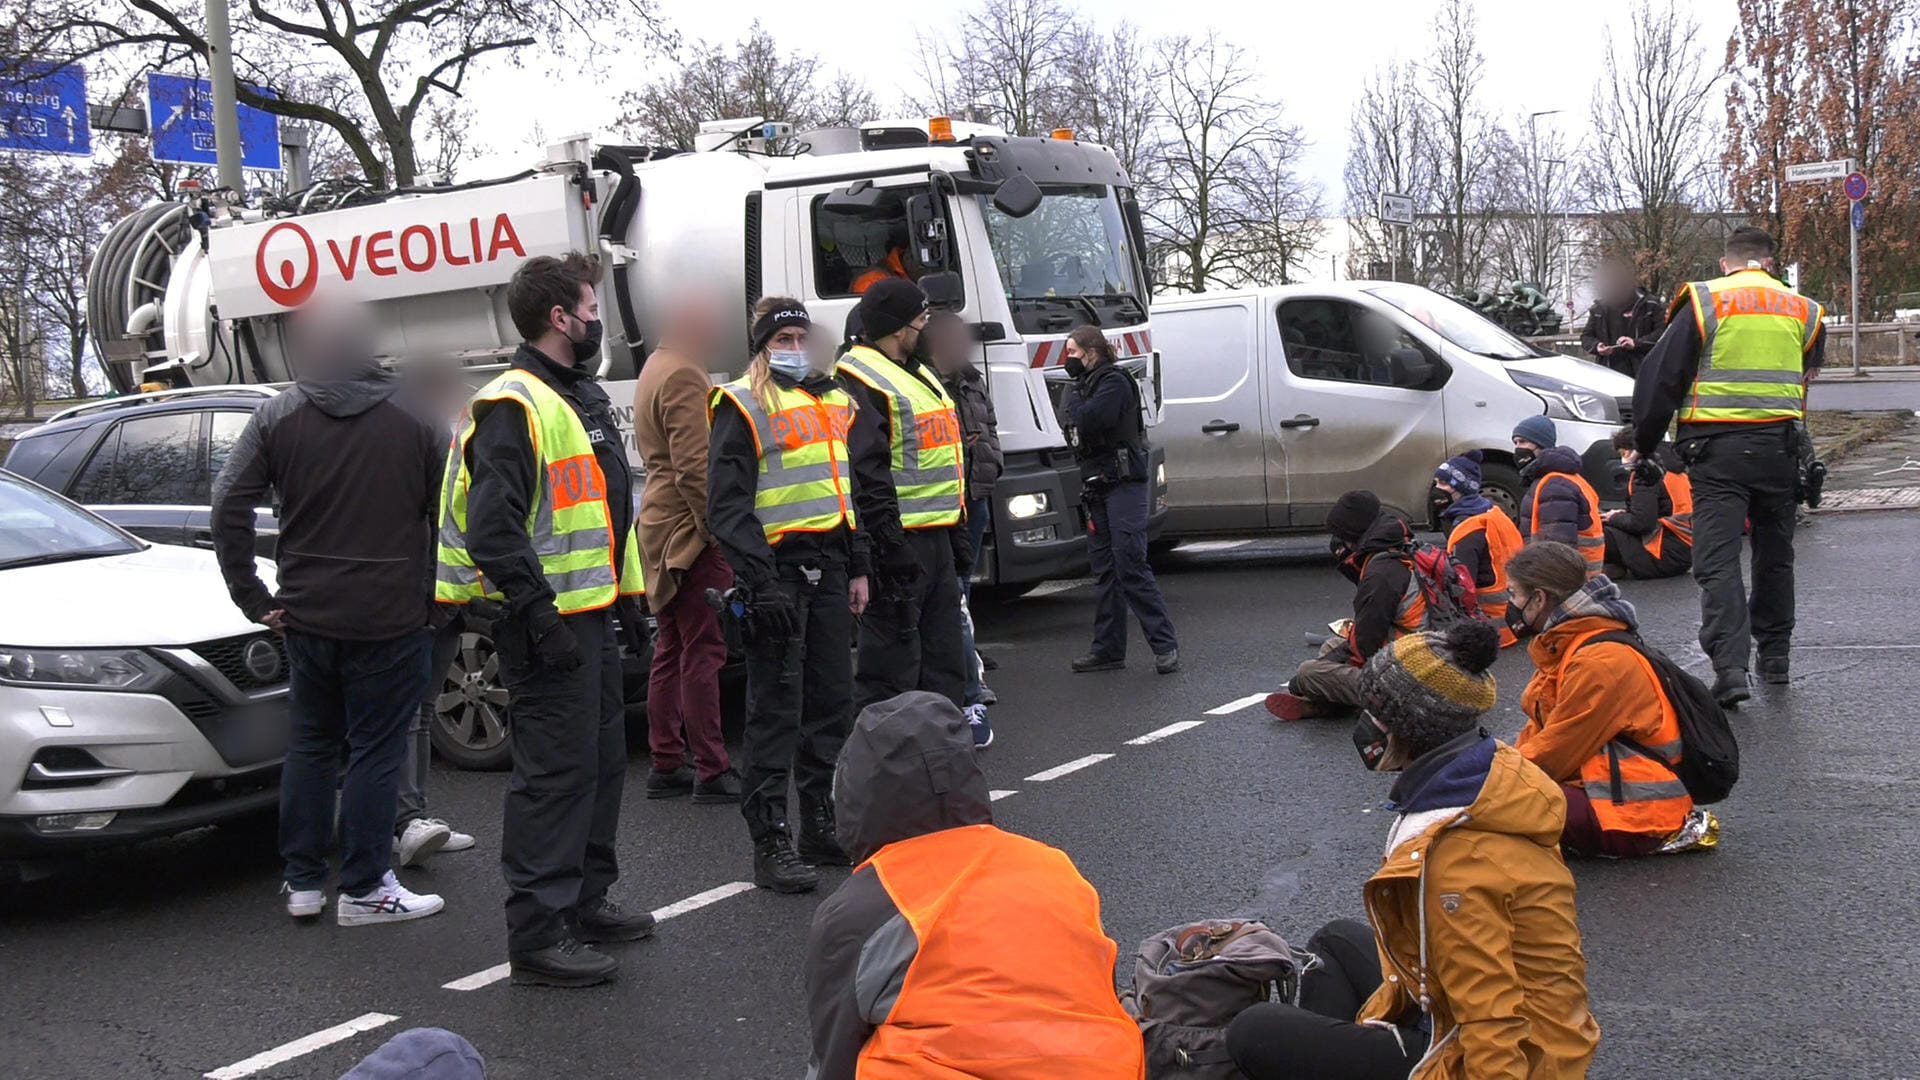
(1110, 439)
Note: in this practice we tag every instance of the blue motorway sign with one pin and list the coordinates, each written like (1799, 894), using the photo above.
(43, 108)
(180, 116)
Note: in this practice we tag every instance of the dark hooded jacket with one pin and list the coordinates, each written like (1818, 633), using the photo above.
(1564, 509)
(1384, 577)
(906, 776)
(355, 472)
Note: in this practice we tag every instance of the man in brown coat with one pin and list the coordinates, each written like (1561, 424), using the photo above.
(682, 561)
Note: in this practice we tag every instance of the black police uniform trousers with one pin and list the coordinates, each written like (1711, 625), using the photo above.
(1744, 475)
(914, 642)
(1117, 549)
(569, 764)
(799, 700)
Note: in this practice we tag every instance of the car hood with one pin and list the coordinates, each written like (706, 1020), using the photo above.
(1600, 380)
(161, 596)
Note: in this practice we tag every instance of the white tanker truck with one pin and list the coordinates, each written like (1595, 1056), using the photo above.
(1026, 238)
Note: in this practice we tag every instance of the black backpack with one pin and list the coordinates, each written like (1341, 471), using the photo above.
(1709, 762)
(1190, 981)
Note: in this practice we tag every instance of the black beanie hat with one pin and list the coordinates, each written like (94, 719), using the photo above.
(1353, 515)
(888, 305)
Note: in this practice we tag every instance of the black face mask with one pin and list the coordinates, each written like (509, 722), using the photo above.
(587, 347)
(1075, 366)
(1437, 503)
(1346, 559)
(1524, 458)
(1370, 739)
(1517, 621)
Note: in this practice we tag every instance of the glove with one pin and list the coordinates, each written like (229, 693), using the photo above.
(962, 553)
(774, 616)
(553, 643)
(899, 567)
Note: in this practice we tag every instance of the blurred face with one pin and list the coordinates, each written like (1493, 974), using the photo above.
(948, 344)
(331, 341)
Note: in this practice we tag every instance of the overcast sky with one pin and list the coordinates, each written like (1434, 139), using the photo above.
(1315, 55)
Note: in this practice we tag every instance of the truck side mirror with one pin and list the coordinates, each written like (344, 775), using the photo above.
(1017, 196)
(929, 231)
(944, 290)
(858, 199)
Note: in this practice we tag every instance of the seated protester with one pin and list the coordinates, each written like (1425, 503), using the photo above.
(1596, 712)
(1473, 908)
(1559, 504)
(1653, 536)
(1374, 550)
(911, 969)
(1479, 534)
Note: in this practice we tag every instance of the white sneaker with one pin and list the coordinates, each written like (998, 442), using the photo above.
(304, 903)
(420, 839)
(389, 902)
(456, 840)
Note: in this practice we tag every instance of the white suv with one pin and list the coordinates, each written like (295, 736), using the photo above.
(135, 699)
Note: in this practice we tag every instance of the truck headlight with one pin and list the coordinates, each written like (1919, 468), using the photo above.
(1030, 505)
(96, 669)
(1568, 401)
(1160, 475)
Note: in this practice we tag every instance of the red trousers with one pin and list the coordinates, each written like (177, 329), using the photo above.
(683, 693)
(1584, 836)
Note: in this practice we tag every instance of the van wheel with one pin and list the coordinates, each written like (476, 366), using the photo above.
(470, 724)
(1501, 485)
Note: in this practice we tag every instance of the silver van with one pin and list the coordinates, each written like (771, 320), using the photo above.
(1279, 399)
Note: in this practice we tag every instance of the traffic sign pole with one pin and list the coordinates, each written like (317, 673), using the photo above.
(226, 116)
(1856, 188)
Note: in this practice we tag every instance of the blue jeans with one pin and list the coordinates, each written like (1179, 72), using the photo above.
(363, 694)
(977, 522)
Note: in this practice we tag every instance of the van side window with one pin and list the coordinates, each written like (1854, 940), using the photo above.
(1336, 341)
(852, 251)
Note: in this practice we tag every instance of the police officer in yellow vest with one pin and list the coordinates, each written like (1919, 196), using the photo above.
(780, 501)
(1733, 365)
(536, 530)
(907, 459)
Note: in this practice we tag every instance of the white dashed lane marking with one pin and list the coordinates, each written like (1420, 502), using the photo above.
(494, 974)
(1236, 705)
(304, 1045)
(1073, 766)
(996, 796)
(1161, 733)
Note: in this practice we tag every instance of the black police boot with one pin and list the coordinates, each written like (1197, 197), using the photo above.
(669, 785)
(1730, 688)
(1096, 662)
(564, 963)
(819, 846)
(606, 920)
(1773, 670)
(777, 867)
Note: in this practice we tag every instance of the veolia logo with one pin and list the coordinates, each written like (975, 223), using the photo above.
(290, 281)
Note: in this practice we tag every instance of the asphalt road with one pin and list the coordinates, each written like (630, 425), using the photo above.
(1786, 953)
(1880, 390)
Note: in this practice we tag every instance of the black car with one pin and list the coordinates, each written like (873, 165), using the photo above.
(146, 462)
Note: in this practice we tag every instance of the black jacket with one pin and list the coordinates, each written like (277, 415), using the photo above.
(1646, 503)
(1607, 323)
(1564, 510)
(1666, 380)
(733, 475)
(357, 473)
(981, 429)
(1102, 413)
(501, 457)
(1384, 576)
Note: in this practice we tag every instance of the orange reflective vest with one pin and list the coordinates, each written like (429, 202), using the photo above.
(893, 266)
(1679, 523)
(1012, 977)
(1593, 538)
(1503, 543)
(1632, 787)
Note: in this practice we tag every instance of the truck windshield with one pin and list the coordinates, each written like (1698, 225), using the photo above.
(1456, 322)
(1070, 259)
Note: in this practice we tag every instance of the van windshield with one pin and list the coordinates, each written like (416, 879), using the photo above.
(1456, 322)
(1071, 255)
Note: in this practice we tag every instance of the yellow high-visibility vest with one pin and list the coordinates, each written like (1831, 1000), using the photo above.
(805, 482)
(1754, 337)
(569, 521)
(926, 441)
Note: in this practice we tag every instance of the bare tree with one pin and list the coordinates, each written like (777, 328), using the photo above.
(1464, 148)
(1112, 102)
(1281, 227)
(756, 76)
(1011, 56)
(401, 55)
(1534, 191)
(1387, 153)
(1654, 143)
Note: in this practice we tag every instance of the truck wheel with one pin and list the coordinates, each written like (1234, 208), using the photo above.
(470, 724)
(1501, 484)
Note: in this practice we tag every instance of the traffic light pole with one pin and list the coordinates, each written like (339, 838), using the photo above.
(226, 116)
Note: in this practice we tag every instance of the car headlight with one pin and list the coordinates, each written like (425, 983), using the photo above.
(1160, 474)
(1568, 401)
(97, 669)
(1030, 505)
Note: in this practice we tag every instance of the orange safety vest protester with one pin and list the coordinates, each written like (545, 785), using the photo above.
(1503, 543)
(1679, 523)
(1632, 787)
(893, 266)
(1013, 976)
(1593, 538)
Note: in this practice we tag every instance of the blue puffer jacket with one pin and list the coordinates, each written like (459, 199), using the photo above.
(1564, 510)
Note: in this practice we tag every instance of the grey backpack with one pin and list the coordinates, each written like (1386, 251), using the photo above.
(1190, 981)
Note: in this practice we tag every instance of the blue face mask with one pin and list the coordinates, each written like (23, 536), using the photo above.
(794, 365)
